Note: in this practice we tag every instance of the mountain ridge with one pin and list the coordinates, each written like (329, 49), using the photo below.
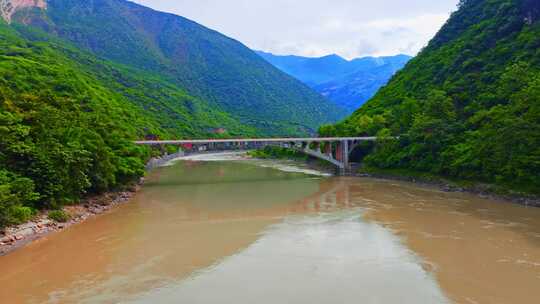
(201, 61)
(348, 83)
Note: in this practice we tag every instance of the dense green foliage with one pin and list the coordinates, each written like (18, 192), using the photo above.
(468, 106)
(62, 133)
(223, 74)
(270, 152)
(169, 107)
(15, 193)
(67, 120)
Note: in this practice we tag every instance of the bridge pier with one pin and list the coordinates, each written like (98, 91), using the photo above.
(344, 147)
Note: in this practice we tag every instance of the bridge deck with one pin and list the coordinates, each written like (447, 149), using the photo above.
(252, 140)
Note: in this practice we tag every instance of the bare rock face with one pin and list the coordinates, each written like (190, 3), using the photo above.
(10, 7)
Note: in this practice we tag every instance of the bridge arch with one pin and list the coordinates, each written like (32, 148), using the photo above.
(335, 150)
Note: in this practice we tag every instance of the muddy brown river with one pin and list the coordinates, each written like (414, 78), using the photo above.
(245, 232)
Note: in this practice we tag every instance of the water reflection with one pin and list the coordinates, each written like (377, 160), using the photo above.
(481, 251)
(207, 232)
(327, 258)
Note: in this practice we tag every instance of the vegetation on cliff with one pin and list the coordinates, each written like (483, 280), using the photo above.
(68, 119)
(468, 106)
(62, 133)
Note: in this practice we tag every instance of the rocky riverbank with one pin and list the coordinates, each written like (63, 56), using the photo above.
(15, 237)
(482, 190)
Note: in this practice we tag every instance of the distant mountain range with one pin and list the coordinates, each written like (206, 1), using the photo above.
(347, 83)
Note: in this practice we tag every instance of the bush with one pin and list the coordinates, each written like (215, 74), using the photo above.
(59, 216)
(21, 214)
(15, 193)
(271, 152)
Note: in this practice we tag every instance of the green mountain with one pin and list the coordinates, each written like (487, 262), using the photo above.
(468, 106)
(80, 80)
(63, 132)
(206, 64)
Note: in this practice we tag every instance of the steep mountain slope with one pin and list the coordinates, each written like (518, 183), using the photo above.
(62, 132)
(68, 119)
(348, 83)
(468, 106)
(201, 61)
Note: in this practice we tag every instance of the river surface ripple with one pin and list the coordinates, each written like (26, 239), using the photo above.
(229, 231)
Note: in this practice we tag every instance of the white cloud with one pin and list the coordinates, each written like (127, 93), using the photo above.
(350, 28)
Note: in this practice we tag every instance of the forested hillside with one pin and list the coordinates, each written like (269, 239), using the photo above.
(200, 61)
(468, 106)
(80, 80)
(62, 133)
(68, 119)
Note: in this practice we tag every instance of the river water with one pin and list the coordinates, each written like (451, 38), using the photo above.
(227, 231)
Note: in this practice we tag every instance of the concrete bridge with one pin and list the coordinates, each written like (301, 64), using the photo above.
(335, 150)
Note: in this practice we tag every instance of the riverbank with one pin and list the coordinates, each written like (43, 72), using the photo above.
(419, 178)
(18, 236)
(15, 237)
(480, 189)
(210, 220)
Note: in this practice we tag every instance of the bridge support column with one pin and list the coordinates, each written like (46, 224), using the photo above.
(339, 152)
(328, 149)
(345, 155)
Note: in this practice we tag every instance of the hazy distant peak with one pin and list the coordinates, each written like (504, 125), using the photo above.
(348, 83)
(333, 56)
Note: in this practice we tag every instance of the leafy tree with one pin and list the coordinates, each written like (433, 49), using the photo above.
(468, 105)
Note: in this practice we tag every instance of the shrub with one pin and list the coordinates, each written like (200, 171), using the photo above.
(21, 214)
(16, 192)
(59, 216)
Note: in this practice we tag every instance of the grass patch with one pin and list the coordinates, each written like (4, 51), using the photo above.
(59, 216)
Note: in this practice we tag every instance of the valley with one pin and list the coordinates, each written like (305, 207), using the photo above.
(204, 141)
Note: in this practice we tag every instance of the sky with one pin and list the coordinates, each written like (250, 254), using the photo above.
(349, 28)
